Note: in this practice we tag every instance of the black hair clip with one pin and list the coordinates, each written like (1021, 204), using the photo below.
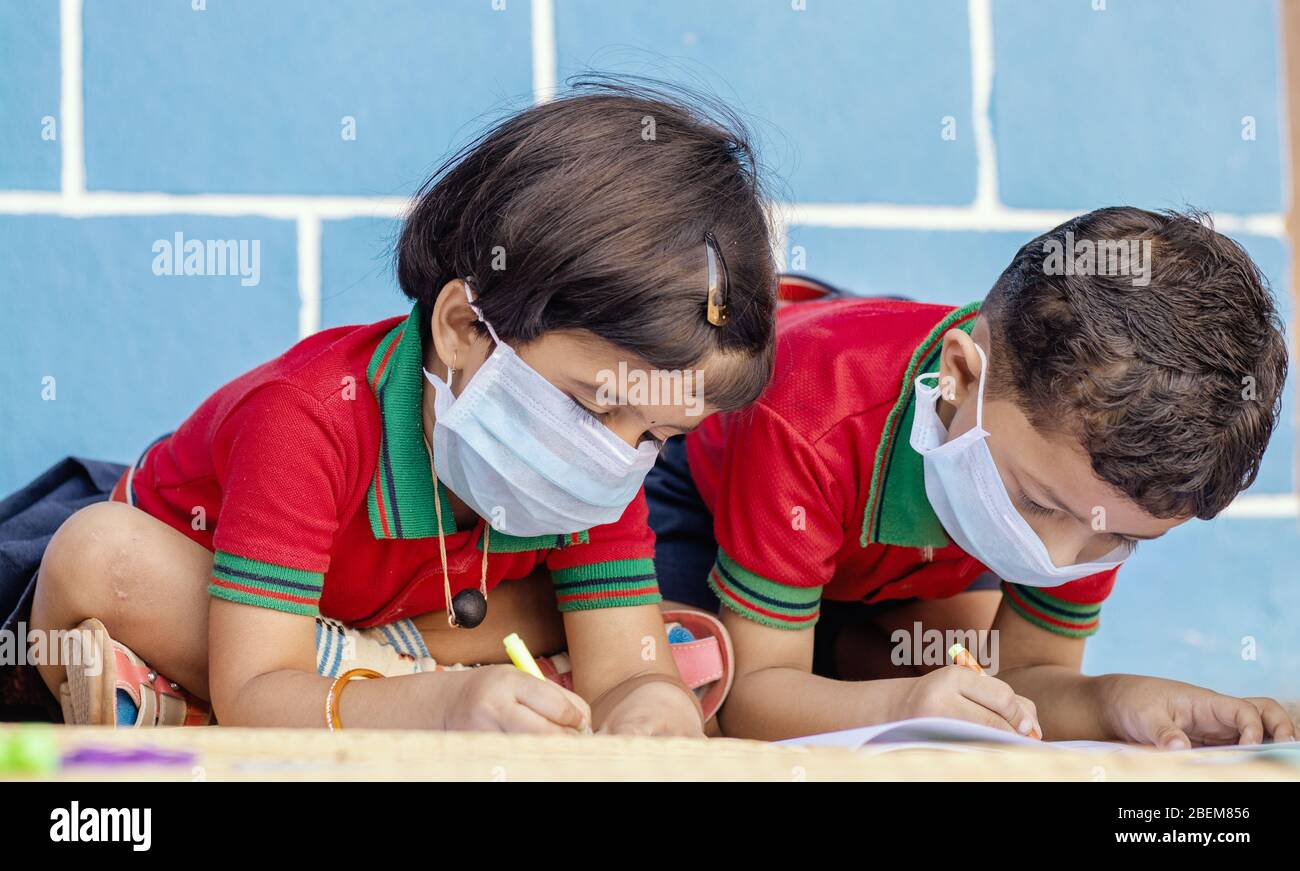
(719, 281)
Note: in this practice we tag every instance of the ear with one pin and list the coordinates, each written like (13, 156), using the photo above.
(452, 328)
(959, 367)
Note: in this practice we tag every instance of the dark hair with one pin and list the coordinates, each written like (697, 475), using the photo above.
(599, 202)
(1173, 388)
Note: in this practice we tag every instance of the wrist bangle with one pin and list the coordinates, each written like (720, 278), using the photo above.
(336, 693)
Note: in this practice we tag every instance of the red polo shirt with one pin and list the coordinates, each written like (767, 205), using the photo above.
(816, 492)
(309, 478)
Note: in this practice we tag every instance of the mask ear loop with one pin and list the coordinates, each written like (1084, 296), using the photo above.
(471, 296)
(979, 399)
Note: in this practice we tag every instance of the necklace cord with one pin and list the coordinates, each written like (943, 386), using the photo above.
(442, 547)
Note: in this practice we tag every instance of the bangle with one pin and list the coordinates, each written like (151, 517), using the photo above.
(336, 693)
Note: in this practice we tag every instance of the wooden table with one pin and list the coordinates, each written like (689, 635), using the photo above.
(302, 754)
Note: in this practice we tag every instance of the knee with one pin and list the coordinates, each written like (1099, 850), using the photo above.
(85, 571)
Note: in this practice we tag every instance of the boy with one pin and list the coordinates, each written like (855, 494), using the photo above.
(907, 457)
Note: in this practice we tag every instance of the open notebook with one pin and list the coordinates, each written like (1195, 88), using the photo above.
(941, 732)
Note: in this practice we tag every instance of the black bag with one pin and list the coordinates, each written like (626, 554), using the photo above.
(28, 520)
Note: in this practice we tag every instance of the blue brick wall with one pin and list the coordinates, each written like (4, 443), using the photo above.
(852, 110)
(251, 94)
(1142, 102)
(227, 123)
(29, 90)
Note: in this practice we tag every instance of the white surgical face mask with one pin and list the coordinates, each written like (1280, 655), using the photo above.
(970, 500)
(518, 452)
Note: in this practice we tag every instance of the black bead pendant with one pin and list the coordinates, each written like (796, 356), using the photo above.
(468, 608)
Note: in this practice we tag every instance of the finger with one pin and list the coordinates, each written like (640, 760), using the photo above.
(1277, 722)
(975, 712)
(580, 703)
(1214, 720)
(1170, 737)
(999, 698)
(523, 719)
(552, 702)
(1031, 710)
(1243, 716)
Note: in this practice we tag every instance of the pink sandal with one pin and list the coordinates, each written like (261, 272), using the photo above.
(705, 663)
(89, 697)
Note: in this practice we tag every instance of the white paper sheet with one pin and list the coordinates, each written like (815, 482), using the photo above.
(941, 732)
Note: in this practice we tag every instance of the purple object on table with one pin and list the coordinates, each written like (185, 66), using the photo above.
(135, 756)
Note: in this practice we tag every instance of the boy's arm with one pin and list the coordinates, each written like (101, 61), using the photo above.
(1121, 707)
(1044, 666)
(776, 696)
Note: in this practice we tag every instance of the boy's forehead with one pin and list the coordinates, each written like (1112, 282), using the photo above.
(1054, 467)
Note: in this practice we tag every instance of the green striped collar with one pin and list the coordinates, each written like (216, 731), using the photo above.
(897, 510)
(400, 501)
(400, 498)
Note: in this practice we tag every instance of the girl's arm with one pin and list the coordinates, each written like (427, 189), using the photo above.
(262, 672)
(628, 673)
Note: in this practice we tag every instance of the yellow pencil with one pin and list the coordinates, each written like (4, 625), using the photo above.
(962, 657)
(523, 660)
(519, 655)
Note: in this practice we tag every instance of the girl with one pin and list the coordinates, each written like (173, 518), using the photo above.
(393, 499)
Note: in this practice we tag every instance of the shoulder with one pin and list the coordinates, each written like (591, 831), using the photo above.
(329, 364)
(837, 359)
(325, 372)
(312, 399)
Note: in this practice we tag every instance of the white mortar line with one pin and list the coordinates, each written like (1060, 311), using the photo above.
(779, 229)
(544, 61)
(95, 203)
(890, 216)
(874, 216)
(981, 76)
(1264, 505)
(72, 176)
(308, 275)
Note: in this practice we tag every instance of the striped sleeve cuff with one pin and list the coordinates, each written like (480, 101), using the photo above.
(610, 584)
(266, 585)
(764, 601)
(1055, 615)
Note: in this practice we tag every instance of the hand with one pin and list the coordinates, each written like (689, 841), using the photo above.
(501, 698)
(958, 692)
(1173, 715)
(657, 707)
